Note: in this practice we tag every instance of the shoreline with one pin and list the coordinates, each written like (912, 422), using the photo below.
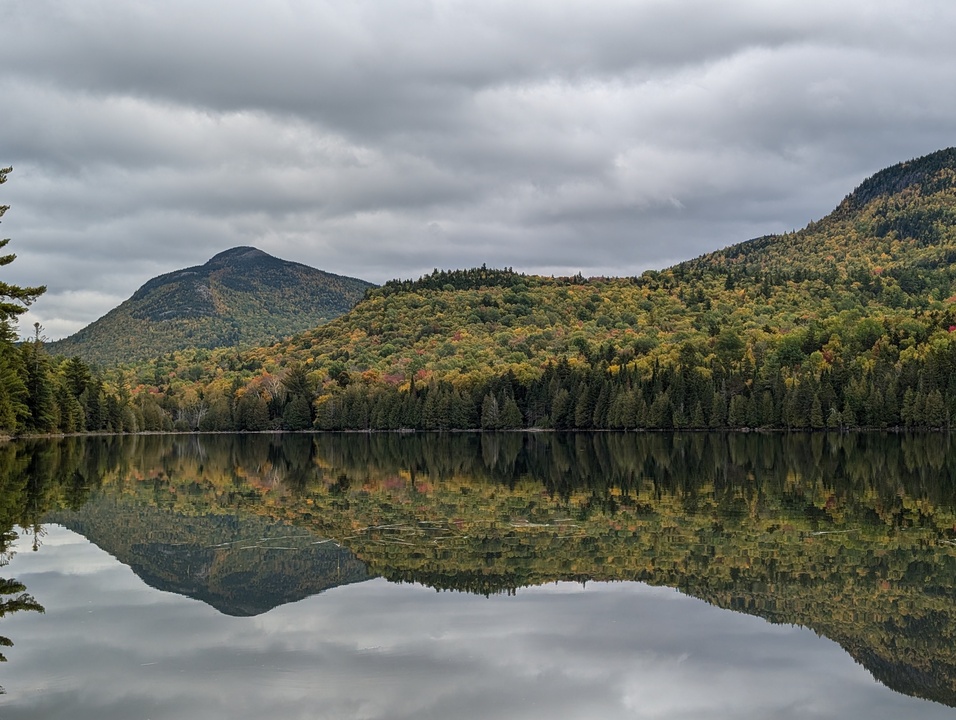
(896, 430)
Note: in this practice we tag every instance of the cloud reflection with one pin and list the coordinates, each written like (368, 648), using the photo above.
(112, 648)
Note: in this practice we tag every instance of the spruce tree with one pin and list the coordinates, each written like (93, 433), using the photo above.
(490, 413)
(13, 298)
(511, 414)
(41, 398)
(297, 414)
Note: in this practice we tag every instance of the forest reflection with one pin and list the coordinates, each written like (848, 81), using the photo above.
(916, 464)
(853, 535)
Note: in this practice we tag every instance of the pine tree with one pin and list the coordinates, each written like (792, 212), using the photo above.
(14, 394)
(252, 412)
(13, 298)
(297, 414)
(661, 414)
(76, 375)
(737, 414)
(511, 414)
(41, 400)
(935, 414)
(490, 414)
(562, 410)
(907, 410)
(718, 413)
(816, 413)
(13, 391)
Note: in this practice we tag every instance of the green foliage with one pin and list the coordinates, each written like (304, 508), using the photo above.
(252, 412)
(450, 280)
(297, 415)
(41, 401)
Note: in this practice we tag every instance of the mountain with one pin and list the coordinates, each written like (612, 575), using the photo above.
(887, 250)
(241, 297)
(898, 228)
(849, 322)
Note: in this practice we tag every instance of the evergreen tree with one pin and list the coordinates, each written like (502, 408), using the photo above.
(834, 420)
(297, 414)
(562, 410)
(13, 298)
(490, 413)
(511, 414)
(252, 412)
(907, 411)
(76, 375)
(737, 413)
(935, 414)
(718, 413)
(13, 390)
(41, 402)
(816, 413)
(70, 410)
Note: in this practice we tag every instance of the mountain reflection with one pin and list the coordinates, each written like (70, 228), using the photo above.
(851, 535)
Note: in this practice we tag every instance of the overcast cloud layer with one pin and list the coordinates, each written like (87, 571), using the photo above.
(382, 140)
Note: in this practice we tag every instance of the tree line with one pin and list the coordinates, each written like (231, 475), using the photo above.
(917, 391)
(738, 386)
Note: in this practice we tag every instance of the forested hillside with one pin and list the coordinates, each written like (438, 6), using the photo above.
(850, 322)
(240, 298)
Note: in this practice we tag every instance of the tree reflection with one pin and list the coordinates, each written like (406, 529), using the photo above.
(20, 600)
(851, 534)
(13, 594)
(22, 502)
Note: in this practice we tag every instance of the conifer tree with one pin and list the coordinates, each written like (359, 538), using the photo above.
(511, 414)
(490, 413)
(13, 302)
(297, 414)
(40, 399)
(13, 298)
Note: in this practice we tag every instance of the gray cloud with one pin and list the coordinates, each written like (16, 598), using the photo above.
(382, 140)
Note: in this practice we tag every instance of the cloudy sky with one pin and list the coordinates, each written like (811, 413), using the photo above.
(383, 139)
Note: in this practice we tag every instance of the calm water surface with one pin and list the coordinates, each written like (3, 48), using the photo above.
(477, 576)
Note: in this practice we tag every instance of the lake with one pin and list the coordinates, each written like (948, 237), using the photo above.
(524, 575)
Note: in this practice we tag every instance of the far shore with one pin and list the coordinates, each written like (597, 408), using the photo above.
(411, 431)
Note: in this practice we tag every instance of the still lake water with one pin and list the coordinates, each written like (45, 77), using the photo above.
(477, 576)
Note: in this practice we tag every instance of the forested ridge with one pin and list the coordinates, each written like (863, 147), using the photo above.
(849, 322)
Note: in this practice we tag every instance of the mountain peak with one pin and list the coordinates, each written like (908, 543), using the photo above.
(242, 296)
(933, 172)
(243, 252)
